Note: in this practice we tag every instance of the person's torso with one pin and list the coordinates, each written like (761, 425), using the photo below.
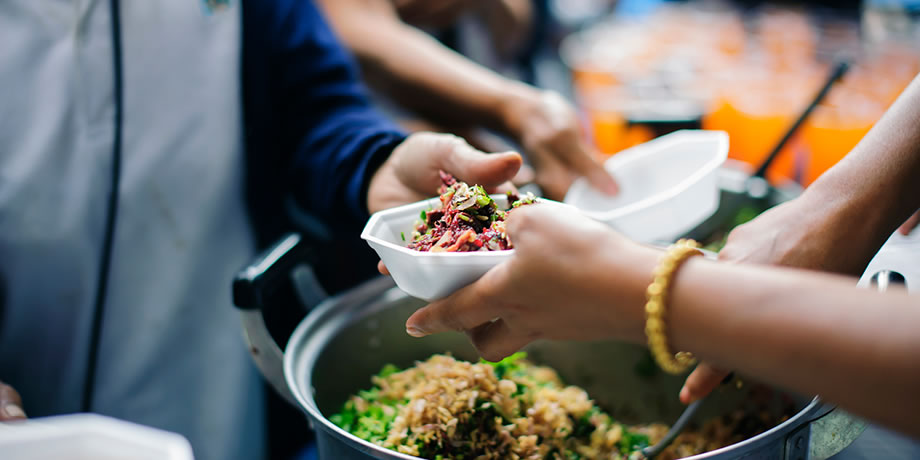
(171, 353)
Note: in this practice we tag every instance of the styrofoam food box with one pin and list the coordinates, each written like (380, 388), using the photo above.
(667, 186)
(428, 275)
(88, 437)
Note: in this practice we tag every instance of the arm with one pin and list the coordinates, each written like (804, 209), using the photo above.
(809, 332)
(419, 72)
(856, 205)
(310, 130)
(815, 334)
(445, 87)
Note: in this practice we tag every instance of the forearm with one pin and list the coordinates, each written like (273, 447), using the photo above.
(420, 73)
(876, 187)
(811, 333)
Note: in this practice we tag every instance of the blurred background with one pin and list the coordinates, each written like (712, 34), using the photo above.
(637, 69)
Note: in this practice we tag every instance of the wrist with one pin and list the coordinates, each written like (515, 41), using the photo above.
(628, 273)
(377, 189)
(519, 101)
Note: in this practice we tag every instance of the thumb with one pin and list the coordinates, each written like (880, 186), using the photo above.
(10, 404)
(476, 167)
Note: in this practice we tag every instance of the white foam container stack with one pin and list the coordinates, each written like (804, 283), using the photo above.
(667, 186)
(89, 437)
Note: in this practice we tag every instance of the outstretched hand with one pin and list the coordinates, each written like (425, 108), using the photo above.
(547, 128)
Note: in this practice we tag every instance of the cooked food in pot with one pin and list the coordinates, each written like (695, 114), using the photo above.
(445, 408)
(468, 220)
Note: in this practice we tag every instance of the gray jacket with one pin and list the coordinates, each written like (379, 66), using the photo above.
(171, 353)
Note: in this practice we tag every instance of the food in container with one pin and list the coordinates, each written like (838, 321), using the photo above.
(467, 220)
(447, 408)
(431, 275)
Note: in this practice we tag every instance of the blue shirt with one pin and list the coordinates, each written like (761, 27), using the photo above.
(311, 134)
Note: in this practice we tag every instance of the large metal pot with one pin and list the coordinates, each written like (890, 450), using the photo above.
(348, 338)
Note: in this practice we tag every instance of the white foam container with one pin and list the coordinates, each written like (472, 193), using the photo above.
(667, 186)
(89, 437)
(428, 275)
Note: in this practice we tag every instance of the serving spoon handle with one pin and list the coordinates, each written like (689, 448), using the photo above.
(681, 423)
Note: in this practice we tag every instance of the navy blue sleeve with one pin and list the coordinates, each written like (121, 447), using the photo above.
(306, 111)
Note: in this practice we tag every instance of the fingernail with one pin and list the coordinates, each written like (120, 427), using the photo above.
(13, 411)
(415, 331)
(685, 396)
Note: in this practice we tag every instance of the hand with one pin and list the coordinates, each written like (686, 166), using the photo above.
(411, 174)
(547, 128)
(570, 278)
(10, 404)
(784, 235)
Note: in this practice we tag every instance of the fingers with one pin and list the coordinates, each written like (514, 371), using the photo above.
(10, 404)
(701, 382)
(910, 224)
(382, 268)
(475, 167)
(463, 310)
(584, 163)
(494, 340)
(554, 178)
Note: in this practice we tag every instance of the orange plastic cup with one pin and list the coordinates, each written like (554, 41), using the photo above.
(833, 131)
(607, 130)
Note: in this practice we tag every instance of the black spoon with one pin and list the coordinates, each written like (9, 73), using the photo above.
(678, 426)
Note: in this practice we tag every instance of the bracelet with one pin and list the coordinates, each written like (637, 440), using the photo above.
(655, 307)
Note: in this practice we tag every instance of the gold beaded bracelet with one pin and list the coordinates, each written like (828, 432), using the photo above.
(655, 307)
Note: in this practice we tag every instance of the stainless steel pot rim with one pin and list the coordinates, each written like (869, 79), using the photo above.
(329, 311)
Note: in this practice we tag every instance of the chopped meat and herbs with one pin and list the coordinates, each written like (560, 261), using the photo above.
(468, 220)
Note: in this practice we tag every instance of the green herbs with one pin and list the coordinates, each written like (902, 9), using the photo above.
(632, 441)
(374, 421)
(388, 370)
(744, 215)
(508, 365)
(371, 424)
(402, 235)
(467, 220)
